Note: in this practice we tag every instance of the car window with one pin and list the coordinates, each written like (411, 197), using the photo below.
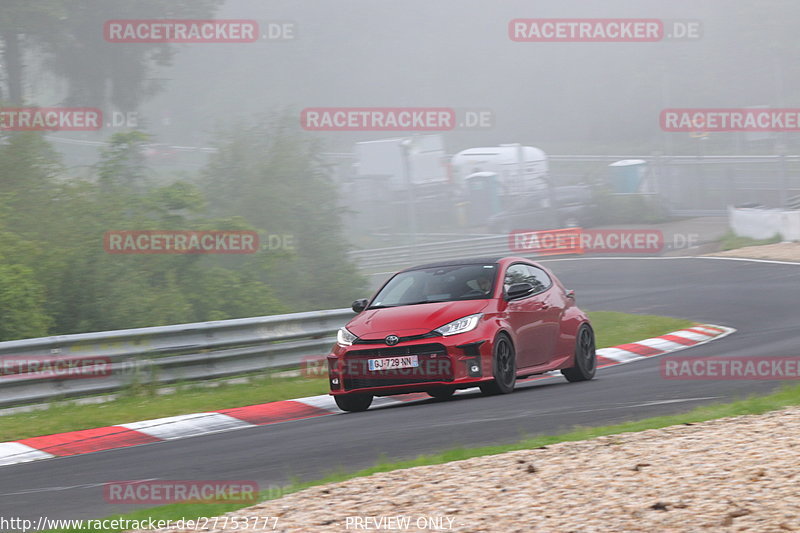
(522, 273)
(438, 284)
(514, 274)
(398, 290)
(538, 278)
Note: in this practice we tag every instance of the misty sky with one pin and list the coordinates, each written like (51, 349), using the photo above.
(563, 97)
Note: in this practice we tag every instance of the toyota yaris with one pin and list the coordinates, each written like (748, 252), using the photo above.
(475, 322)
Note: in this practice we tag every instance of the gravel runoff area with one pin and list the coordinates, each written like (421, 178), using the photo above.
(782, 251)
(731, 474)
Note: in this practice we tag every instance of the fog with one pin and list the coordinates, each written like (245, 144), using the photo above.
(563, 97)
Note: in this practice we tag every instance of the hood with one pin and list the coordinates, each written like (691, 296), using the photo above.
(411, 319)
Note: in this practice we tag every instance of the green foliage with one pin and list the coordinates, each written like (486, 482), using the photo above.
(141, 400)
(122, 163)
(270, 174)
(56, 277)
(22, 307)
(628, 209)
(210, 295)
(612, 328)
(731, 241)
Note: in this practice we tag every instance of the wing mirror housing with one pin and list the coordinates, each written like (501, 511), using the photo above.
(519, 290)
(360, 305)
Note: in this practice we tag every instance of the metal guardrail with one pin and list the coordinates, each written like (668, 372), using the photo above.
(168, 354)
(690, 159)
(396, 257)
(388, 260)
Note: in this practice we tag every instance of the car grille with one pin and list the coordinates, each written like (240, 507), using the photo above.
(399, 339)
(434, 365)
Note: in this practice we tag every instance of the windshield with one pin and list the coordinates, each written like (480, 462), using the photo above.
(439, 284)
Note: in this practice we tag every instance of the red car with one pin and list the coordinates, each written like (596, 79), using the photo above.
(474, 322)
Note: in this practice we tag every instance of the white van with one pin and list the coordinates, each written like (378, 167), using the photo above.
(520, 169)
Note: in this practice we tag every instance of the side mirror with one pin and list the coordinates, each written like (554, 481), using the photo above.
(360, 305)
(570, 294)
(519, 290)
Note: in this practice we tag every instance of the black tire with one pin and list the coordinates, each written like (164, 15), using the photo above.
(441, 393)
(354, 402)
(504, 368)
(585, 357)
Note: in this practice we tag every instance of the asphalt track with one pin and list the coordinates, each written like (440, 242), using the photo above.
(759, 299)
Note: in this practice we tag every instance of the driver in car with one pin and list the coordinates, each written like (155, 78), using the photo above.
(481, 285)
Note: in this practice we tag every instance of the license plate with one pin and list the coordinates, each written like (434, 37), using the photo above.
(390, 363)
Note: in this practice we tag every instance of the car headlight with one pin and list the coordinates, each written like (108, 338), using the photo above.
(344, 337)
(462, 325)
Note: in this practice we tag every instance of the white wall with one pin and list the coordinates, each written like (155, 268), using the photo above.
(765, 223)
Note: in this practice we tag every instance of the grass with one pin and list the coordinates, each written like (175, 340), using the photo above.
(731, 241)
(141, 402)
(612, 328)
(787, 396)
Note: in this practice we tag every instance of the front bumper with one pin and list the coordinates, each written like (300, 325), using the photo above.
(459, 361)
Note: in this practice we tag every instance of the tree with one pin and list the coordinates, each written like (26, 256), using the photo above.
(100, 73)
(23, 312)
(22, 23)
(22, 309)
(122, 162)
(271, 175)
(70, 35)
